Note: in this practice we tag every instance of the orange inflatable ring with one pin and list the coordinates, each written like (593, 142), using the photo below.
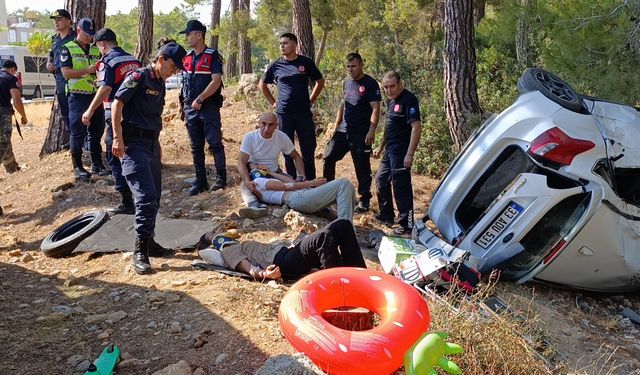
(404, 317)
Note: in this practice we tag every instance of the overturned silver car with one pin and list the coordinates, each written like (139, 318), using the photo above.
(548, 189)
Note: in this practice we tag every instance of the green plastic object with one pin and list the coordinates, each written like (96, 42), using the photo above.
(430, 351)
(106, 363)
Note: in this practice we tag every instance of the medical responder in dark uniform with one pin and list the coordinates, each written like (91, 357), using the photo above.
(111, 70)
(292, 73)
(78, 60)
(136, 115)
(202, 100)
(400, 140)
(356, 124)
(65, 34)
(9, 89)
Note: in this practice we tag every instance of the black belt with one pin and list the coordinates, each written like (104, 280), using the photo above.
(130, 132)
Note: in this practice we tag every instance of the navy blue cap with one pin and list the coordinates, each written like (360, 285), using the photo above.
(60, 13)
(194, 25)
(86, 24)
(175, 52)
(105, 34)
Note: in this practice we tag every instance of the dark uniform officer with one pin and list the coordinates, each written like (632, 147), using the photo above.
(202, 100)
(401, 137)
(137, 121)
(111, 70)
(356, 124)
(65, 34)
(78, 60)
(292, 73)
(9, 89)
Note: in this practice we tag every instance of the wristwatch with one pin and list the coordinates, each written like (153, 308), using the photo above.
(198, 101)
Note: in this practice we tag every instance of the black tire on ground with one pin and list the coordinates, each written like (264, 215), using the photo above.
(37, 93)
(64, 239)
(550, 86)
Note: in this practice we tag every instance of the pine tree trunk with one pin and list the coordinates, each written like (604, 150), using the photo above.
(57, 133)
(303, 28)
(524, 54)
(460, 90)
(323, 43)
(215, 22)
(243, 42)
(231, 67)
(433, 51)
(145, 31)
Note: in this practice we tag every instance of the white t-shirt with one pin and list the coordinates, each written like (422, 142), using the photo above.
(266, 151)
(268, 196)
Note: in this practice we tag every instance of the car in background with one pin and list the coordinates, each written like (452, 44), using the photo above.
(36, 81)
(548, 189)
(173, 82)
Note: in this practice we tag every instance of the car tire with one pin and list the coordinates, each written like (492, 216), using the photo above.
(64, 239)
(551, 86)
(37, 93)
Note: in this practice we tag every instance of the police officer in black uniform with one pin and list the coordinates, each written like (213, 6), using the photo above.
(111, 70)
(65, 33)
(136, 115)
(400, 140)
(202, 100)
(356, 124)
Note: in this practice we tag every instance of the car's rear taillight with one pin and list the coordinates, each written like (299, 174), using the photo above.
(554, 145)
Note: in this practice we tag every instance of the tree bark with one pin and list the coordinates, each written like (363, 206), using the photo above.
(323, 43)
(145, 31)
(243, 41)
(58, 133)
(303, 28)
(524, 54)
(231, 67)
(460, 89)
(215, 22)
(478, 11)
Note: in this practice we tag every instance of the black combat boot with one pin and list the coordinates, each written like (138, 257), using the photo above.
(126, 206)
(81, 173)
(141, 262)
(221, 180)
(200, 185)
(158, 251)
(97, 167)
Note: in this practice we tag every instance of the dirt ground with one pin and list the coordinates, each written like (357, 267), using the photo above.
(58, 314)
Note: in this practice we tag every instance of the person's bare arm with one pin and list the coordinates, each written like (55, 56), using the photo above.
(416, 127)
(243, 159)
(17, 104)
(373, 123)
(264, 89)
(212, 87)
(316, 90)
(116, 124)
(69, 73)
(272, 272)
(102, 94)
(291, 186)
(299, 163)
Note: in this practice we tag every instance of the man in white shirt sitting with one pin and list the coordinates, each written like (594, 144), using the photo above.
(261, 149)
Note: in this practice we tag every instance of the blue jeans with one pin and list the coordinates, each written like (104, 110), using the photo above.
(338, 191)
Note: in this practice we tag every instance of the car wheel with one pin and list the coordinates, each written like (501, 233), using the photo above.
(37, 93)
(550, 86)
(64, 239)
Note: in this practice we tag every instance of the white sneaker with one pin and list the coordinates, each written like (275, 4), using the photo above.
(252, 212)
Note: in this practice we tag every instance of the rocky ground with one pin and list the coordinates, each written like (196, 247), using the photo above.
(58, 314)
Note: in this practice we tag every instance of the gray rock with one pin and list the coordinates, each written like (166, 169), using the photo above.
(95, 318)
(75, 360)
(175, 328)
(116, 316)
(63, 309)
(631, 315)
(220, 359)
(179, 368)
(83, 366)
(152, 325)
(296, 364)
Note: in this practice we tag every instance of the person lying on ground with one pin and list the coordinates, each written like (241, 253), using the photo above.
(335, 245)
(305, 196)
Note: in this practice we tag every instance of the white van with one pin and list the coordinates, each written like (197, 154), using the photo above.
(34, 85)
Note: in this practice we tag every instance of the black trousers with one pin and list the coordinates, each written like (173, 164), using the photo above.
(337, 148)
(335, 245)
(302, 126)
(392, 172)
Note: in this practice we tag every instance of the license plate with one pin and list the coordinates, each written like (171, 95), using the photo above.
(493, 231)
